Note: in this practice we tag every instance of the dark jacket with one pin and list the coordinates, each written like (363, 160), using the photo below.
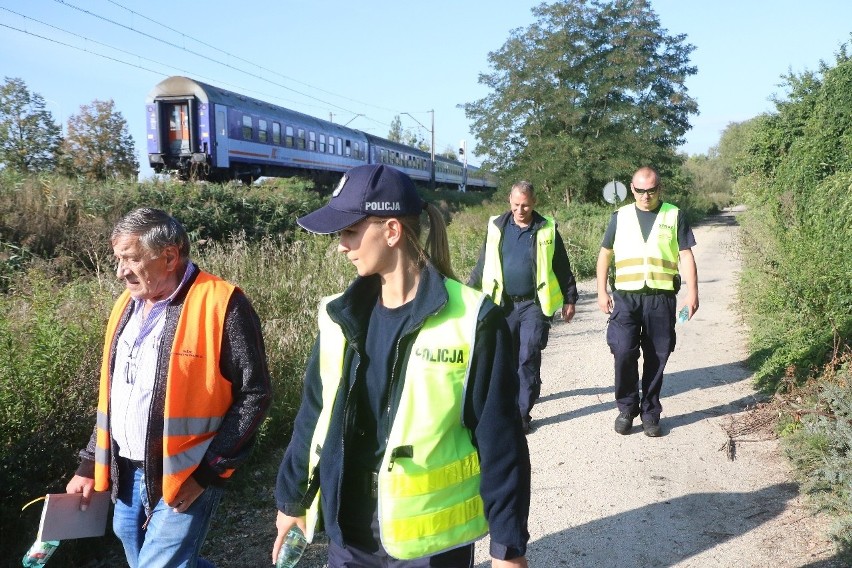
(243, 363)
(490, 412)
(561, 265)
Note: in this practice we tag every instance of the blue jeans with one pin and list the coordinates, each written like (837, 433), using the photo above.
(170, 540)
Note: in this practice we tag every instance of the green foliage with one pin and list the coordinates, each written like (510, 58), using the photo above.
(29, 137)
(98, 145)
(709, 180)
(590, 91)
(794, 172)
(50, 345)
(822, 446)
(797, 274)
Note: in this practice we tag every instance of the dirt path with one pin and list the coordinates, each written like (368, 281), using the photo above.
(604, 500)
(601, 499)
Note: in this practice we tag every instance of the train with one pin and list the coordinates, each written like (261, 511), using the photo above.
(199, 131)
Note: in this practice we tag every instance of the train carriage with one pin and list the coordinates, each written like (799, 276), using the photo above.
(199, 131)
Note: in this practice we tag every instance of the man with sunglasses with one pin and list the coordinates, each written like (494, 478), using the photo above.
(652, 245)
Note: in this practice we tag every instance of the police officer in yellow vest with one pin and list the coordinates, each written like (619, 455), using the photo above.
(652, 244)
(407, 447)
(184, 386)
(524, 268)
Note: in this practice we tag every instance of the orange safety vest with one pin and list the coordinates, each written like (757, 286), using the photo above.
(197, 394)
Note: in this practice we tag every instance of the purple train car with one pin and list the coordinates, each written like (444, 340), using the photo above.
(198, 131)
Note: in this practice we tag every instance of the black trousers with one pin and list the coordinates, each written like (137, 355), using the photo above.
(530, 329)
(646, 322)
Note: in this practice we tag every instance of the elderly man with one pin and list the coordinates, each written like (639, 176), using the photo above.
(650, 241)
(184, 386)
(524, 267)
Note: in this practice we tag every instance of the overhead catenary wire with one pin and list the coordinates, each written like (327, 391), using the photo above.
(175, 69)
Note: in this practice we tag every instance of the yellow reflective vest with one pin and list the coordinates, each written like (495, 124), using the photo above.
(428, 482)
(197, 394)
(651, 263)
(547, 286)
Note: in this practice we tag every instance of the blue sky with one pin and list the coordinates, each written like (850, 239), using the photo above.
(341, 59)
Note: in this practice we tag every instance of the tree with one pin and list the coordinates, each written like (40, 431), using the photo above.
(29, 138)
(450, 152)
(395, 133)
(589, 92)
(98, 144)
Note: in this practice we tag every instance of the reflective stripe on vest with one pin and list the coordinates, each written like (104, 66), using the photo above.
(428, 483)
(639, 263)
(190, 420)
(549, 293)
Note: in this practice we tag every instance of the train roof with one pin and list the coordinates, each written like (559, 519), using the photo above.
(183, 86)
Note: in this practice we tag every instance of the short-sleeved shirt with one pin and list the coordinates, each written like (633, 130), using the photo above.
(685, 238)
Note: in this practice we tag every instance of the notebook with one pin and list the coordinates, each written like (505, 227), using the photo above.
(62, 519)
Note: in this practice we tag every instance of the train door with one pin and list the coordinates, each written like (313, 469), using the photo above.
(177, 126)
(222, 139)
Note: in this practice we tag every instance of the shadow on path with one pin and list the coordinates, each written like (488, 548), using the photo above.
(675, 523)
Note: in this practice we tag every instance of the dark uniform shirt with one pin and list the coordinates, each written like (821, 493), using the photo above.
(516, 253)
(366, 445)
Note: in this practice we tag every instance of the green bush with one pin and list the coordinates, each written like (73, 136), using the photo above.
(51, 338)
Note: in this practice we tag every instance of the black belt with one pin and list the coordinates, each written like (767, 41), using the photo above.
(649, 292)
(516, 299)
(137, 464)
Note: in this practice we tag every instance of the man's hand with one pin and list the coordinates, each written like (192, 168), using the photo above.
(568, 312)
(189, 492)
(605, 302)
(84, 485)
(514, 562)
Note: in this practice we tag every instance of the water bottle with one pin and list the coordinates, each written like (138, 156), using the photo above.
(292, 549)
(683, 315)
(39, 553)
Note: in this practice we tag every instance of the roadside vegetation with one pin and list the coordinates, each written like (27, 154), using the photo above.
(793, 169)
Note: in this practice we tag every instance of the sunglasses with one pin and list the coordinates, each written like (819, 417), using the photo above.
(649, 191)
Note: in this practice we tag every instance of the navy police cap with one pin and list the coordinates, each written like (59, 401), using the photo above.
(373, 190)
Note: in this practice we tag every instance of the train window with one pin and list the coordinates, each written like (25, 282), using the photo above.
(347, 150)
(340, 146)
(276, 133)
(300, 138)
(247, 128)
(322, 143)
(288, 136)
(331, 144)
(356, 151)
(312, 141)
(383, 158)
(262, 132)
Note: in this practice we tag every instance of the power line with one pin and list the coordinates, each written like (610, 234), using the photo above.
(170, 44)
(229, 54)
(118, 49)
(190, 51)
